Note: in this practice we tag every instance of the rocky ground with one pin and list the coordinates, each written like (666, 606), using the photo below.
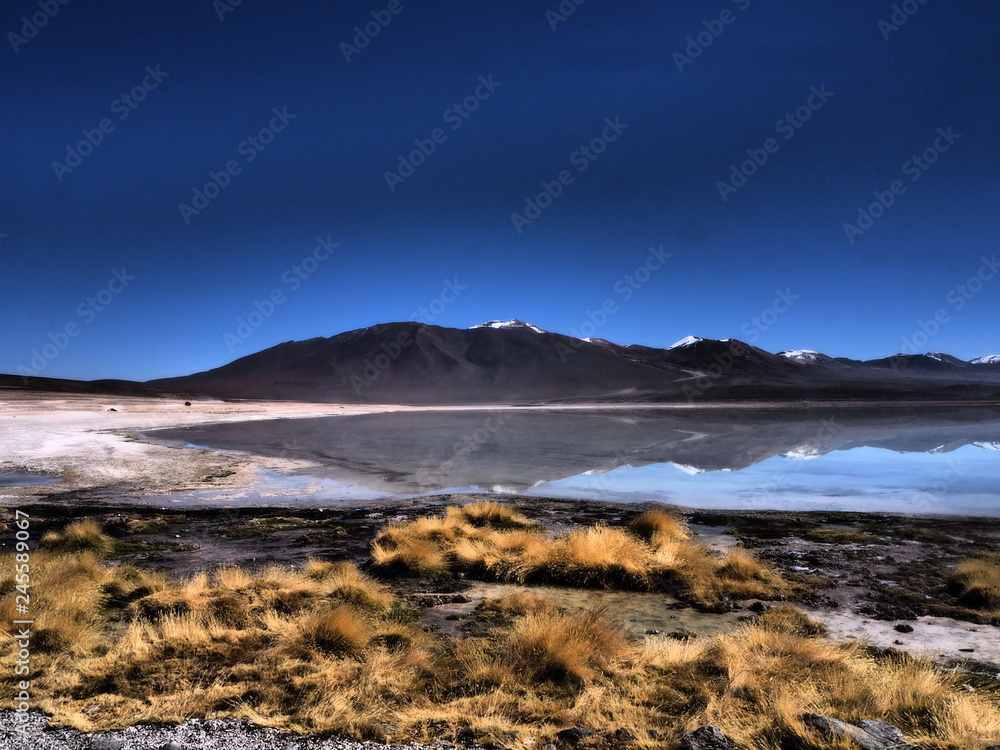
(195, 734)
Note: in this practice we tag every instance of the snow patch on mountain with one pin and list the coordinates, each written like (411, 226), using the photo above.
(988, 446)
(801, 355)
(687, 468)
(507, 324)
(686, 341)
(803, 453)
(989, 359)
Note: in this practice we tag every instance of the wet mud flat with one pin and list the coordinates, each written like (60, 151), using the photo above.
(886, 570)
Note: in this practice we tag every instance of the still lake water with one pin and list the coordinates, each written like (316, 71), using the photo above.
(893, 459)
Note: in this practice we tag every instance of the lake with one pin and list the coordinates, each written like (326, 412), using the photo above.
(898, 459)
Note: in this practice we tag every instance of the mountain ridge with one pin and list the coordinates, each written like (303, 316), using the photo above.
(514, 362)
(517, 362)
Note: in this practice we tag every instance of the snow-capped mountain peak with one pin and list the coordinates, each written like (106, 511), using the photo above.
(686, 341)
(505, 324)
(801, 355)
(989, 359)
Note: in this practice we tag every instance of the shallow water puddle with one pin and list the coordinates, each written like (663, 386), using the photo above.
(16, 479)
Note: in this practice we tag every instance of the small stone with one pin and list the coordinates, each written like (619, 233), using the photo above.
(897, 643)
(882, 731)
(876, 739)
(623, 735)
(758, 608)
(178, 746)
(106, 743)
(573, 735)
(967, 650)
(682, 635)
(904, 628)
(706, 738)
(652, 632)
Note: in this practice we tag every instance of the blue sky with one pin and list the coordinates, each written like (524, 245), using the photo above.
(337, 193)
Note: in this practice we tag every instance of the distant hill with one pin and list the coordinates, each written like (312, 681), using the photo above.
(512, 362)
(515, 362)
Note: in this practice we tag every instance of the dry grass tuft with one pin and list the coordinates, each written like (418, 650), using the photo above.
(977, 585)
(656, 551)
(79, 536)
(490, 513)
(335, 631)
(790, 621)
(659, 526)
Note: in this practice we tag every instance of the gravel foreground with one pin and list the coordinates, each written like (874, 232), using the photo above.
(194, 734)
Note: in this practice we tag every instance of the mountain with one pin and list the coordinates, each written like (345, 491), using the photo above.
(516, 362)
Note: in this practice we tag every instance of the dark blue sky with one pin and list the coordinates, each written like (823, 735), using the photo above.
(768, 261)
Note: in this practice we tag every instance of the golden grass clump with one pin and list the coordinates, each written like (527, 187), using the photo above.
(656, 551)
(331, 631)
(79, 536)
(489, 513)
(598, 557)
(659, 526)
(977, 585)
(790, 621)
